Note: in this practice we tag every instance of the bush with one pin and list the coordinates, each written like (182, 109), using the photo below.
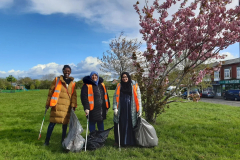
(32, 86)
(113, 86)
(9, 87)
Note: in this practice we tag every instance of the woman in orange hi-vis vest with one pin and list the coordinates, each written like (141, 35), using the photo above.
(127, 106)
(95, 100)
(61, 98)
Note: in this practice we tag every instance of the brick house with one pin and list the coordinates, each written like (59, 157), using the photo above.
(227, 78)
(16, 86)
(115, 81)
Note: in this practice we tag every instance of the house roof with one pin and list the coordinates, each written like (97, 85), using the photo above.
(231, 61)
(227, 62)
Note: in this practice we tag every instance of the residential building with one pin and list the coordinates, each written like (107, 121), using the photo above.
(228, 77)
(16, 86)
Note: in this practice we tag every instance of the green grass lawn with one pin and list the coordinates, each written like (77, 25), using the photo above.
(185, 131)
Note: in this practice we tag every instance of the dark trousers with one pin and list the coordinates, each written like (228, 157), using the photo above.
(51, 127)
(100, 126)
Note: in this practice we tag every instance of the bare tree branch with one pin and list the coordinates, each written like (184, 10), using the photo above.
(118, 58)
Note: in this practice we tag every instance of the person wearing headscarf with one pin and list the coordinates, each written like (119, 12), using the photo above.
(62, 97)
(127, 108)
(95, 100)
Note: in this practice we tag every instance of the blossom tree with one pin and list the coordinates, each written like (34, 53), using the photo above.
(196, 33)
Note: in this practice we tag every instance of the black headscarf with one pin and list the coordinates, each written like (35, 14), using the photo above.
(126, 87)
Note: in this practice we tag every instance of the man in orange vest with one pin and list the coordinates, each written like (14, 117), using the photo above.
(95, 100)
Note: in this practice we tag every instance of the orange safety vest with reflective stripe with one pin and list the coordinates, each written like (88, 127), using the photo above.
(91, 97)
(134, 94)
(56, 93)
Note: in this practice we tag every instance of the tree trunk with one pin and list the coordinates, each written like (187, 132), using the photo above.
(149, 111)
(188, 90)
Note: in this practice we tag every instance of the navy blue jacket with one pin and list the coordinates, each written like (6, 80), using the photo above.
(99, 111)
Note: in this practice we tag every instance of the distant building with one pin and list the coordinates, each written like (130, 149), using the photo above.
(17, 86)
(115, 81)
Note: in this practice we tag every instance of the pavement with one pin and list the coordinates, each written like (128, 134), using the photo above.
(221, 101)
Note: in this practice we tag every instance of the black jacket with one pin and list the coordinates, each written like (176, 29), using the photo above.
(99, 111)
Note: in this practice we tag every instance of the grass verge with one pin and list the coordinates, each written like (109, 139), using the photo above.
(186, 131)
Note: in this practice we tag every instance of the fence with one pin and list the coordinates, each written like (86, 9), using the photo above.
(15, 91)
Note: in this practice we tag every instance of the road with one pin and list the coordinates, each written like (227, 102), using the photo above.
(221, 101)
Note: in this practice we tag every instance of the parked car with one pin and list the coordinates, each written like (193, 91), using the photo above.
(169, 90)
(200, 94)
(233, 94)
(184, 95)
(208, 94)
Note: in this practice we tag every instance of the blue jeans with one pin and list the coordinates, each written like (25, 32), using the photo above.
(51, 127)
(99, 125)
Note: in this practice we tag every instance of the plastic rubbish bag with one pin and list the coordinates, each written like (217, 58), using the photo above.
(145, 134)
(96, 139)
(74, 141)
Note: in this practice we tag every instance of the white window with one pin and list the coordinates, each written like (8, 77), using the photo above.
(227, 74)
(238, 72)
(216, 76)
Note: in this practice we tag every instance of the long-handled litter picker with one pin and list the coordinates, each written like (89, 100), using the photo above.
(42, 124)
(86, 134)
(119, 138)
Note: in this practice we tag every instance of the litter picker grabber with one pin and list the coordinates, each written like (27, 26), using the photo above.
(86, 134)
(119, 138)
(42, 124)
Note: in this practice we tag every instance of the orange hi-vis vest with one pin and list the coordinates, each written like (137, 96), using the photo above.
(91, 96)
(134, 94)
(56, 93)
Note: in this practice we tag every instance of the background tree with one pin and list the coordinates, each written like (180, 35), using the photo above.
(32, 86)
(79, 84)
(45, 84)
(118, 58)
(107, 80)
(206, 82)
(11, 79)
(199, 36)
(26, 81)
(1, 84)
(187, 82)
(4, 83)
(37, 83)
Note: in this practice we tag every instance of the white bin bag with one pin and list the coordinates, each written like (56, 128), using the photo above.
(74, 141)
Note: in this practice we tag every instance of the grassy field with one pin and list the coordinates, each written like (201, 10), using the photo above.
(186, 131)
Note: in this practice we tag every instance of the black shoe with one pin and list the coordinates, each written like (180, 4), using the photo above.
(46, 142)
